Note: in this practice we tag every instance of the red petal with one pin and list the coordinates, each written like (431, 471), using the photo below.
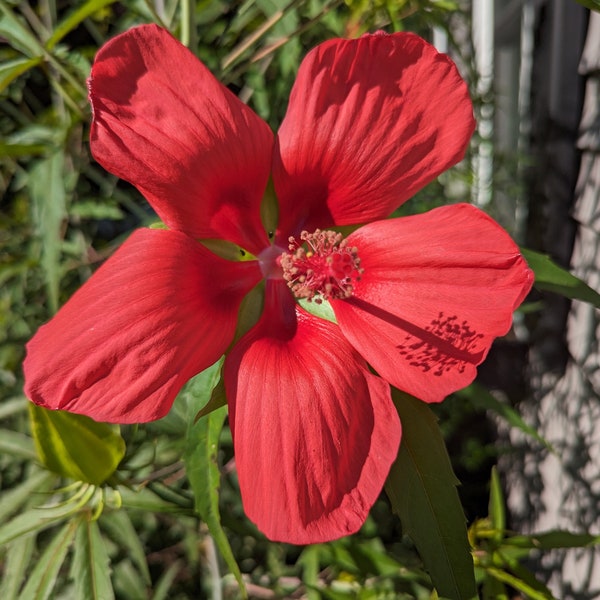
(163, 122)
(370, 122)
(160, 310)
(436, 290)
(315, 433)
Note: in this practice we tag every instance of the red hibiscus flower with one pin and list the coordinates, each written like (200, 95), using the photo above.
(418, 300)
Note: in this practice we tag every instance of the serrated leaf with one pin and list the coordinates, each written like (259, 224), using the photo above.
(74, 19)
(145, 500)
(76, 446)
(14, 565)
(119, 527)
(33, 520)
(47, 188)
(200, 457)
(42, 579)
(15, 499)
(422, 489)
(552, 278)
(91, 566)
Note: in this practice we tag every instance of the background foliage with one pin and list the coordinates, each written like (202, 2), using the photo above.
(93, 511)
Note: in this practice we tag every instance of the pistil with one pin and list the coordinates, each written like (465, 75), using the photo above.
(321, 266)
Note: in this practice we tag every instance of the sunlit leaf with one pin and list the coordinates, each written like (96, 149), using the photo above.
(552, 278)
(422, 489)
(90, 568)
(200, 457)
(42, 578)
(76, 446)
(74, 19)
(17, 34)
(10, 70)
(515, 582)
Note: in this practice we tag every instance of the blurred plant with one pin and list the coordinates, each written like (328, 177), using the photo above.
(147, 525)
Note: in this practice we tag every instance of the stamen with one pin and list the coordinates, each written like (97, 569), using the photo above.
(321, 266)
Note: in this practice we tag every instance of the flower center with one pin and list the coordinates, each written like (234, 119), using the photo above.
(321, 266)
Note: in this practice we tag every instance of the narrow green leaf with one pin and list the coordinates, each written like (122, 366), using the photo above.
(18, 445)
(16, 560)
(47, 188)
(33, 520)
(552, 278)
(591, 4)
(554, 539)
(42, 579)
(11, 69)
(76, 446)
(483, 399)
(91, 566)
(518, 584)
(145, 500)
(496, 506)
(120, 529)
(19, 36)
(16, 498)
(200, 457)
(422, 489)
(74, 18)
(163, 585)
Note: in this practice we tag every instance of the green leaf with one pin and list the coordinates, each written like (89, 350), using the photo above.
(33, 520)
(482, 399)
(422, 489)
(91, 566)
(120, 529)
(16, 559)
(11, 69)
(76, 446)
(515, 582)
(42, 579)
(19, 36)
(16, 444)
(496, 506)
(200, 457)
(591, 4)
(13, 500)
(47, 188)
(322, 310)
(554, 539)
(552, 278)
(74, 19)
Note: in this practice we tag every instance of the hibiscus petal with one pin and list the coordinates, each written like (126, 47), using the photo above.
(160, 310)
(164, 123)
(315, 433)
(436, 290)
(370, 122)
